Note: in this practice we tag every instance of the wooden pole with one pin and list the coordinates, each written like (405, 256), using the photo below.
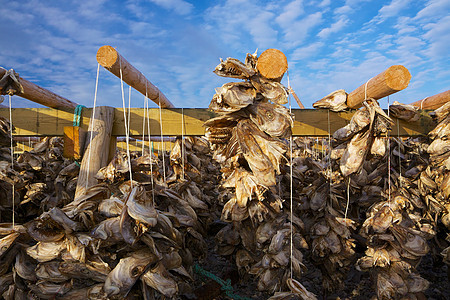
(272, 64)
(433, 102)
(97, 151)
(111, 60)
(392, 80)
(300, 104)
(43, 96)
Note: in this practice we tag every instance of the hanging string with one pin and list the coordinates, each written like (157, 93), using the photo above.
(399, 154)
(291, 182)
(91, 126)
(162, 140)
(12, 160)
(150, 150)
(330, 171)
(144, 119)
(182, 141)
(126, 124)
(129, 106)
(348, 198)
(389, 160)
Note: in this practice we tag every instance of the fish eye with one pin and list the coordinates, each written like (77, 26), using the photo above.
(269, 115)
(361, 152)
(135, 272)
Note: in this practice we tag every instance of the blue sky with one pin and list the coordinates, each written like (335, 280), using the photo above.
(330, 45)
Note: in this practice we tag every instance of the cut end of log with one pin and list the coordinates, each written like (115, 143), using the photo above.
(397, 77)
(107, 56)
(272, 64)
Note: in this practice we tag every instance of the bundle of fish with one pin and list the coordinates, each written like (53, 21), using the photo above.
(248, 138)
(436, 178)
(396, 241)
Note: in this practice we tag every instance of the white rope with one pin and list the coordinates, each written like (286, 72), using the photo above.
(126, 124)
(348, 198)
(399, 154)
(12, 160)
(421, 102)
(162, 140)
(291, 184)
(182, 141)
(365, 89)
(144, 118)
(91, 127)
(389, 161)
(150, 150)
(329, 152)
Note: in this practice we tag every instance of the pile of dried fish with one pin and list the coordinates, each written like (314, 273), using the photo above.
(148, 230)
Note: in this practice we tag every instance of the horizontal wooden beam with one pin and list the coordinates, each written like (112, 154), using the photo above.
(433, 102)
(308, 122)
(42, 96)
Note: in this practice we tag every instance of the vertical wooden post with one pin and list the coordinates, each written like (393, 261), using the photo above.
(97, 151)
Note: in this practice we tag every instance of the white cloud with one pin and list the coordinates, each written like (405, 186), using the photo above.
(324, 3)
(343, 10)
(438, 35)
(307, 51)
(295, 34)
(390, 10)
(290, 13)
(434, 9)
(335, 27)
(178, 6)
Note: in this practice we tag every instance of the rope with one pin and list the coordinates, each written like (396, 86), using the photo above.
(126, 123)
(150, 150)
(91, 126)
(329, 152)
(77, 115)
(143, 121)
(12, 159)
(348, 198)
(421, 102)
(182, 141)
(365, 89)
(225, 285)
(162, 140)
(389, 161)
(291, 184)
(399, 157)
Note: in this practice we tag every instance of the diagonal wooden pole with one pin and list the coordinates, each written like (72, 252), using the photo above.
(111, 60)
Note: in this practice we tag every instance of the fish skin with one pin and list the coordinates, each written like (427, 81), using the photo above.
(122, 278)
(356, 152)
(335, 101)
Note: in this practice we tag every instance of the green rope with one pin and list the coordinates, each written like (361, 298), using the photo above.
(225, 284)
(77, 115)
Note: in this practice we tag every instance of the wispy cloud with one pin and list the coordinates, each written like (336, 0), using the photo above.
(334, 28)
(390, 10)
(178, 6)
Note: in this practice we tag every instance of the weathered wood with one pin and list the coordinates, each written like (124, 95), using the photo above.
(433, 102)
(393, 79)
(43, 96)
(97, 150)
(272, 64)
(111, 60)
(74, 141)
(300, 104)
(308, 122)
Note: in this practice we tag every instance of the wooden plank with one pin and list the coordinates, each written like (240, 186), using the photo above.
(97, 149)
(74, 140)
(308, 122)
